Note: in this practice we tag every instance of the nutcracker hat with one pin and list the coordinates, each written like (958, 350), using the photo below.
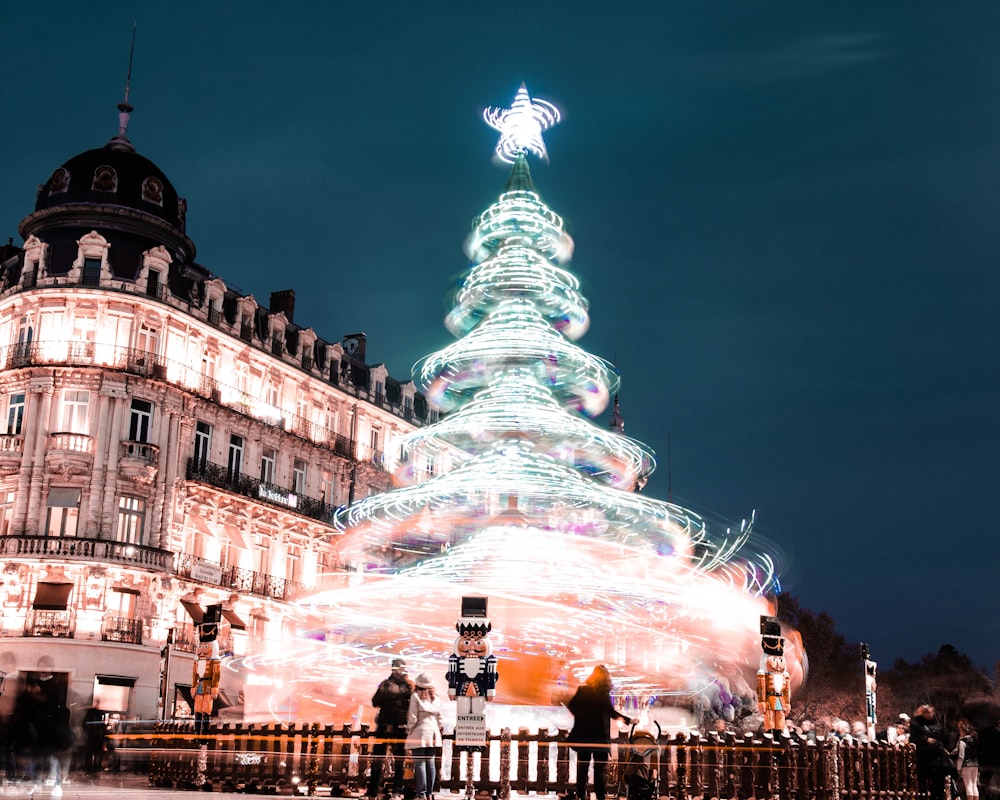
(473, 621)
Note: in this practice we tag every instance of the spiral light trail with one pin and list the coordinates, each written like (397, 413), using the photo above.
(532, 505)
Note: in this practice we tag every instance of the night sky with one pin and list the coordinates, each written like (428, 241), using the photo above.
(786, 216)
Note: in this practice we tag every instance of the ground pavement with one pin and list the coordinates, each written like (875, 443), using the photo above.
(108, 784)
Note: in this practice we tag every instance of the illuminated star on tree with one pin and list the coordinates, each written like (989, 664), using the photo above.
(521, 126)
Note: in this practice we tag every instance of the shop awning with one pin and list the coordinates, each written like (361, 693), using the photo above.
(115, 680)
(63, 497)
(194, 609)
(52, 596)
(200, 524)
(233, 620)
(235, 536)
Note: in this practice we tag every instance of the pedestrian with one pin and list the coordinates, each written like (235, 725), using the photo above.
(933, 760)
(591, 734)
(392, 699)
(423, 727)
(95, 731)
(967, 758)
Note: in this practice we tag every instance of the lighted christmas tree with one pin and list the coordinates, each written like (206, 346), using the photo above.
(532, 504)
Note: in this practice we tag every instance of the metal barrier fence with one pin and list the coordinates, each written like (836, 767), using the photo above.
(334, 761)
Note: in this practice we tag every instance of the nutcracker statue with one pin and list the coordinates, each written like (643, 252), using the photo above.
(472, 680)
(773, 690)
(207, 669)
(472, 668)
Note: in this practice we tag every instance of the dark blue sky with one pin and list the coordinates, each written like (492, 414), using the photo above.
(786, 215)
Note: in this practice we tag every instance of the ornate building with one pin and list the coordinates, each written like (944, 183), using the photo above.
(169, 444)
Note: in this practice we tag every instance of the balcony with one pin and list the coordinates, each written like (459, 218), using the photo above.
(11, 450)
(247, 486)
(240, 580)
(57, 624)
(72, 548)
(152, 366)
(122, 629)
(137, 461)
(69, 453)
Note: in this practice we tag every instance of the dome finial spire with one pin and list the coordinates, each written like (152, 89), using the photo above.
(121, 141)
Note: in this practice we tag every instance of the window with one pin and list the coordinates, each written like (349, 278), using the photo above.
(73, 414)
(140, 420)
(262, 553)
(6, 512)
(292, 557)
(375, 438)
(299, 476)
(379, 392)
(25, 333)
(131, 520)
(202, 444)
(327, 489)
(15, 413)
(91, 271)
(63, 511)
(122, 603)
(267, 459)
(147, 340)
(113, 693)
(153, 283)
(235, 463)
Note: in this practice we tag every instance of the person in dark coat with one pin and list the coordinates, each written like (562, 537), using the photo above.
(392, 699)
(591, 735)
(933, 759)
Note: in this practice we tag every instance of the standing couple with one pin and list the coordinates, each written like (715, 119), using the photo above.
(410, 710)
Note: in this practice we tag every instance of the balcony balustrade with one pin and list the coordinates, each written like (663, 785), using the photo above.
(73, 548)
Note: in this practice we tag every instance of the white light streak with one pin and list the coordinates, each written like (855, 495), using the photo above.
(539, 511)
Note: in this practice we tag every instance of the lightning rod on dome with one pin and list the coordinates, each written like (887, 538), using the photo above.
(521, 126)
(125, 107)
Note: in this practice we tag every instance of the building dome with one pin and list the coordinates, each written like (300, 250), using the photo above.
(114, 175)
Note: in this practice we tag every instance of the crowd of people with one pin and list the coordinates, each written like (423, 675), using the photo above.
(967, 758)
(409, 725)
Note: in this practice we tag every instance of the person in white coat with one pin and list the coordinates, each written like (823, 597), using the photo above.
(423, 726)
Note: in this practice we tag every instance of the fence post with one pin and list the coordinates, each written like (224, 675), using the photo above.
(522, 762)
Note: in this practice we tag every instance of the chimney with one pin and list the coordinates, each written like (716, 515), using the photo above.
(284, 301)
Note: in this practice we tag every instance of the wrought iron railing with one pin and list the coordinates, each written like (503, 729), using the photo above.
(58, 624)
(150, 365)
(241, 580)
(224, 478)
(122, 629)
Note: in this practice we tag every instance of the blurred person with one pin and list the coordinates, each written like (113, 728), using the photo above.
(42, 734)
(423, 735)
(967, 758)
(392, 699)
(807, 730)
(590, 737)
(989, 759)
(933, 760)
(95, 733)
(859, 731)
